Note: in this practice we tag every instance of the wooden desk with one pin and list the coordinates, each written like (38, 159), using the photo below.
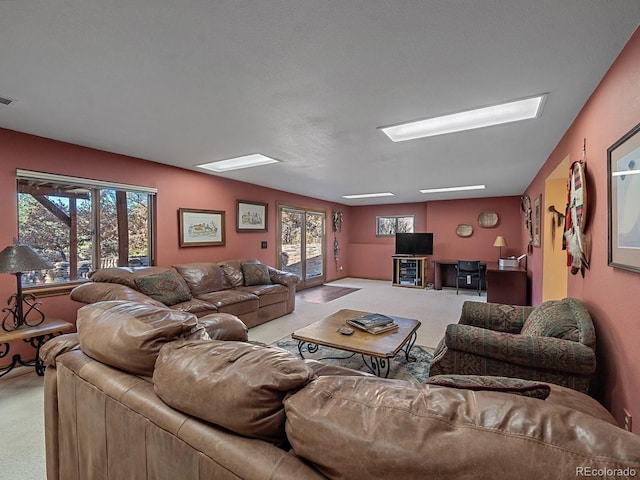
(504, 285)
(507, 285)
(444, 274)
(36, 336)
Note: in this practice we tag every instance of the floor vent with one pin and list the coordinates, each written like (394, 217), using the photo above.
(5, 101)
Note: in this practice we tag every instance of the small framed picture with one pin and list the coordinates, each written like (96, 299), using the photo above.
(201, 227)
(251, 216)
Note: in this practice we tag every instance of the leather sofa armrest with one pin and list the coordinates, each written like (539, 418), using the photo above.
(284, 278)
(531, 351)
(93, 292)
(224, 326)
(57, 346)
(494, 316)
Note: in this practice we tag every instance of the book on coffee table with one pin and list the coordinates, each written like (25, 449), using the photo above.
(382, 328)
(373, 323)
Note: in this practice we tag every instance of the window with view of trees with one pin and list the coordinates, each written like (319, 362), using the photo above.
(79, 226)
(387, 226)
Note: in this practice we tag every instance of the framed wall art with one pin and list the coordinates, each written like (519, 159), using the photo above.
(623, 172)
(201, 227)
(537, 213)
(251, 216)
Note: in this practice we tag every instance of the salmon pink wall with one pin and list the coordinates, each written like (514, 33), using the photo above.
(610, 294)
(177, 188)
(443, 217)
(370, 255)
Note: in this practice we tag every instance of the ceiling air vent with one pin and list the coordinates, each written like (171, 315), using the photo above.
(5, 101)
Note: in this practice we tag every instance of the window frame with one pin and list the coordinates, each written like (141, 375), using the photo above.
(379, 218)
(96, 186)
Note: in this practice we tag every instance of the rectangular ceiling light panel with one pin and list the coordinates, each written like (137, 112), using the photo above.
(246, 161)
(469, 120)
(369, 195)
(453, 189)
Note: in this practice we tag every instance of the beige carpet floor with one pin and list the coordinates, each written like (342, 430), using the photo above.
(21, 398)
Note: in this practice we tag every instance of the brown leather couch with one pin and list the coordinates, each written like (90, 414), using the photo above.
(142, 392)
(207, 287)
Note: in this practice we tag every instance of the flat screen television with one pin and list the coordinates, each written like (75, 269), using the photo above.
(414, 244)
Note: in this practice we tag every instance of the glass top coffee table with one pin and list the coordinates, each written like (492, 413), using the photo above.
(377, 350)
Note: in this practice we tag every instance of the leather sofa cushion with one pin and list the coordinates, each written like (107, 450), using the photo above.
(129, 335)
(267, 294)
(202, 277)
(92, 292)
(167, 287)
(239, 386)
(123, 275)
(196, 306)
(361, 427)
(242, 302)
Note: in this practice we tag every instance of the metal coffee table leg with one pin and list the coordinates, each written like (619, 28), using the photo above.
(406, 348)
(313, 348)
(378, 366)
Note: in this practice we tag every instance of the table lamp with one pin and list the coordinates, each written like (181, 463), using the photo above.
(500, 242)
(17, 259)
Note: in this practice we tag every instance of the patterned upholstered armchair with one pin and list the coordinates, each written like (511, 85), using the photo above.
(554, 342)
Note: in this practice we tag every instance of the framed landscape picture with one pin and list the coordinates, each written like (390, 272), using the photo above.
(623, 168)
(201, 227)
(251, 216)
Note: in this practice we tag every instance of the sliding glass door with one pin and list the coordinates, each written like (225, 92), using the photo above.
(301, 244)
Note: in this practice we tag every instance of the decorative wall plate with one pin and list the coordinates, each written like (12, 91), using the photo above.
(464, 230)
(487, 219)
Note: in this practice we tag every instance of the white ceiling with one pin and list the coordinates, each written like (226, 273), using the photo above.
(308, 82)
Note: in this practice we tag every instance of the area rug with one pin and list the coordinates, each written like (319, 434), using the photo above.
(417, 371)
(324, 293)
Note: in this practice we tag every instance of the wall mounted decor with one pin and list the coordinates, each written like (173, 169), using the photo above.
(487, 219)
(557, 221)
(251, 216)
(525, 207)
(336, 219)
(623, 167)
(536, 220)
(201, 227)
(575, 222)
(464, 230)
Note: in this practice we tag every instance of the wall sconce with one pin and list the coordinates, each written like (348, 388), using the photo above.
(17, 259)
(500, 242)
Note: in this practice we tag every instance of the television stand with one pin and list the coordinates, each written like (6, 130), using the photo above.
(409, 271)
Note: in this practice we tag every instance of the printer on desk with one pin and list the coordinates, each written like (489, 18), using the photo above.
(512, 262)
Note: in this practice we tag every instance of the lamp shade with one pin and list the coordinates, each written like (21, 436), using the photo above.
(500, 242)
(21, 258)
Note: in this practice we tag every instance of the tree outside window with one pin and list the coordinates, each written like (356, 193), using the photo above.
(80, 228)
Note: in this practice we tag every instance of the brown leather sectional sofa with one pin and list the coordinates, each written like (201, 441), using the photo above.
(223, 287)
(142, 392)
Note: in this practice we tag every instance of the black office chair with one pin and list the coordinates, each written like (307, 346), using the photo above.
(468, 270)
